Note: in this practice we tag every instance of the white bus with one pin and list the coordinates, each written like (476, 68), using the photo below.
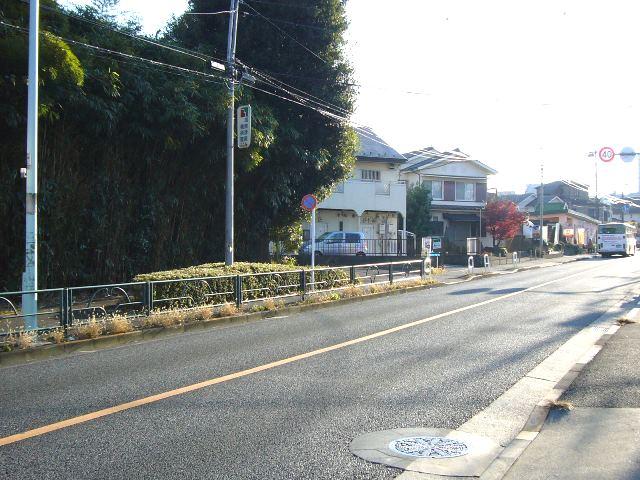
(616, 239)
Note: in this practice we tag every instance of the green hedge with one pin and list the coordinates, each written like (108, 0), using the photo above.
(220, 290)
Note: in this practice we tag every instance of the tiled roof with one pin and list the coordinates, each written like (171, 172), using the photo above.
(372, 146)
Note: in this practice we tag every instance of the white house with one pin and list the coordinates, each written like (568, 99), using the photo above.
(458, 187)
(373, 200)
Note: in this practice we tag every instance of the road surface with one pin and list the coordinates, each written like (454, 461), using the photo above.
(285, 396)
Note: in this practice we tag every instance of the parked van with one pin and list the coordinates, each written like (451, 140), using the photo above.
(338, 243)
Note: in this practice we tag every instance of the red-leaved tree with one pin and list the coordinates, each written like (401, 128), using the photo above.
(503, 220)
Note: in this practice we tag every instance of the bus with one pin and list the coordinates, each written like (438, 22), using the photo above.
(616, 239)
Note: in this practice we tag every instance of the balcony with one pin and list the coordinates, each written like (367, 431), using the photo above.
(360, 196)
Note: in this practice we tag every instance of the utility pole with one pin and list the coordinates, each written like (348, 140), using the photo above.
(594, 154)
(231, 60)
(30, 275)
(541, 208)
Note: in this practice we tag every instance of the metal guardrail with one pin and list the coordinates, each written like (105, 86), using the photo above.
(64, 307)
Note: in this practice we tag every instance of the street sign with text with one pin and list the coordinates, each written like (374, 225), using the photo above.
(244, 126)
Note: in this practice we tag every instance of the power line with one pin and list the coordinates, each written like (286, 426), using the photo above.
(199, 55)
(267, 19)
(279, 84)
(280, 4)
(118, 53)
(209, 13)
(295, 24)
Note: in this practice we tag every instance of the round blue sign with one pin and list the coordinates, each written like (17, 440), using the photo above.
(627, 154)
(309, 202)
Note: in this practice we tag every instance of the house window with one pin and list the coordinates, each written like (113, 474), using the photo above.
(465, 192)
(435, 186)
(341, 226)
(370, 175)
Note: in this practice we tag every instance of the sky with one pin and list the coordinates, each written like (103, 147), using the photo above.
(517, 85)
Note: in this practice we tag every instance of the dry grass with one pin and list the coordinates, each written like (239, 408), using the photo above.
(92, 329)
(166, 319)
(199, 315)
(352, 291)
(624, 321)
(313, 299)
(560, 405)
(119, 324)
(25, 340)
(269, 304)
(56, 336)
(228, 310)
(376, 288)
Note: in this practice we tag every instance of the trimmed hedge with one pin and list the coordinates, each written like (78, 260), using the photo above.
(282, 280)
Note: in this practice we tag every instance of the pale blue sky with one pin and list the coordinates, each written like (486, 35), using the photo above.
(511, 83)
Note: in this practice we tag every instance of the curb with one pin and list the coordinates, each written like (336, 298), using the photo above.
(538, 416)
(44, 352)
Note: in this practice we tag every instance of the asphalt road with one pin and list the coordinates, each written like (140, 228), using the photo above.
(296, 420)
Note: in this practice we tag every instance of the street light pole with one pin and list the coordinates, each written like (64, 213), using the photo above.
(541, 208)
(30, 275)
(231, 59)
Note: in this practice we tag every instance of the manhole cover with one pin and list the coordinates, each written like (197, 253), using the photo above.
(429, 447)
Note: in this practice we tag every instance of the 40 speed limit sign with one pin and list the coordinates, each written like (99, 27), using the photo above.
(606, 154)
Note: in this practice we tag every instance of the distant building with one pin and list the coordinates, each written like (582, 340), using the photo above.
(458, 186)
(568, 210)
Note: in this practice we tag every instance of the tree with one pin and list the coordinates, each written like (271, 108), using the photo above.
(132, 154)
(301, 151)
(503, 220)
(419, 210)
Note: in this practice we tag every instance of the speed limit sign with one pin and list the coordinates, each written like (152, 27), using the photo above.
(606, 154)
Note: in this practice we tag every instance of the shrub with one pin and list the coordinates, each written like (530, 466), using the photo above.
(221, 289)
(570, 249)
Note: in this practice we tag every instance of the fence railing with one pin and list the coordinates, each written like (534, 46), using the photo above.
(64, 307)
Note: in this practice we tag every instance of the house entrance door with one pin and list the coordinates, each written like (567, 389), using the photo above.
(368, 238)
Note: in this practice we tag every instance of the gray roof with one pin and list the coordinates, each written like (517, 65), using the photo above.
(372, 147)
(515, 197)
(425, 156)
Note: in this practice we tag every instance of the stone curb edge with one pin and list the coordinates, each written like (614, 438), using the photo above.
(538, 416)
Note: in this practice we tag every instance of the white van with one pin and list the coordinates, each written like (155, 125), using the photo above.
(338, 243)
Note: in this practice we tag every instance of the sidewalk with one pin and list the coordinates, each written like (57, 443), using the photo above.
(453, 273)
(600, 437)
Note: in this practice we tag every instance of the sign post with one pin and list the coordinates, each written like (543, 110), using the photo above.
(309, 203)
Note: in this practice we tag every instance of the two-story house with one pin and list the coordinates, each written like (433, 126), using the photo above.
(373, 201)
(458, 187)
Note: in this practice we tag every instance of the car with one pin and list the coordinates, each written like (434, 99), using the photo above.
(338, 243)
